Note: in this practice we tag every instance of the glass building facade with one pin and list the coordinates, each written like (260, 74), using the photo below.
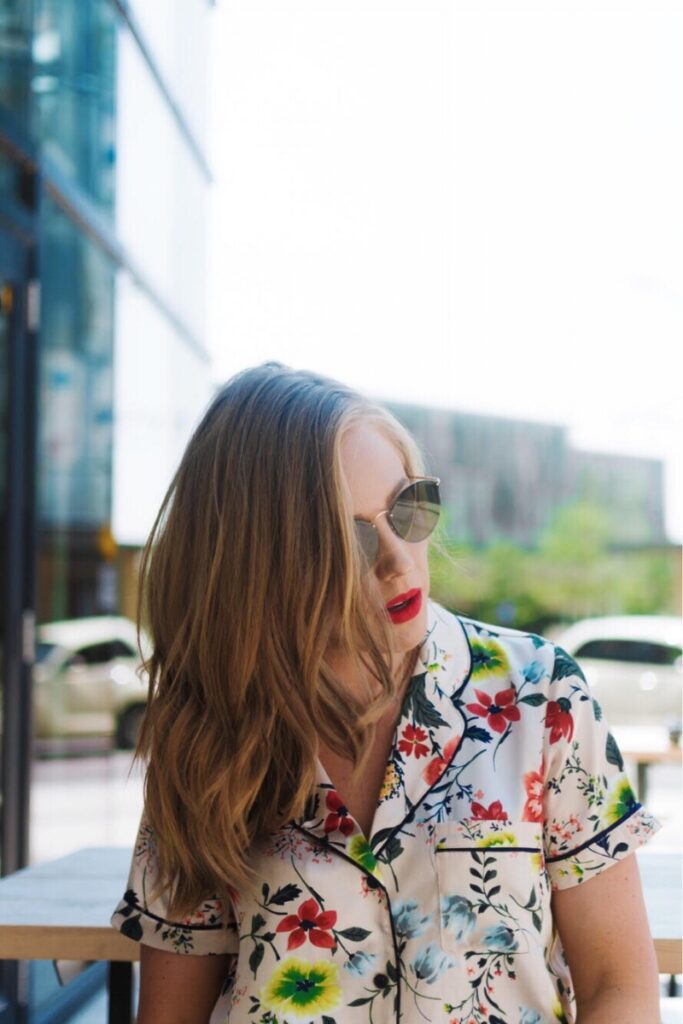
(103, 370)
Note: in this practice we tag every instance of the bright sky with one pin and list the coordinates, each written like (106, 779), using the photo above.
(462, 204)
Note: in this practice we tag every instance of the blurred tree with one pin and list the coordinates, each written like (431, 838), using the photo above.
(577, 535)
(571, 575)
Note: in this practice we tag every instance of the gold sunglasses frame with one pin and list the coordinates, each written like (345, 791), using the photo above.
(385, 511)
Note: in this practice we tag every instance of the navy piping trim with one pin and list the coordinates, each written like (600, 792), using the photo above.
(172, 924)
(488, 849)
(593, 839)
(397, 959)
(470, 669)
(411, 814)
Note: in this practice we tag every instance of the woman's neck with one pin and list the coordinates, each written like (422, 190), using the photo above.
(402, 671)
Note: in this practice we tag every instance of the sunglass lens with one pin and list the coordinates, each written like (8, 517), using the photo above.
(416, 510)
(368, 539)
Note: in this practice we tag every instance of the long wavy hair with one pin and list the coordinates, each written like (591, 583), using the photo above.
(251, 571)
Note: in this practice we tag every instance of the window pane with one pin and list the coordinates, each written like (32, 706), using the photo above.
(15, 61)
(74, 68)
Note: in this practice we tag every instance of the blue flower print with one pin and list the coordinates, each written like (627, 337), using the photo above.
(458, 916)
(430, 963)
(534, 672)
(359, 963)
(409, 924)
(500, 938)
(529, 1016)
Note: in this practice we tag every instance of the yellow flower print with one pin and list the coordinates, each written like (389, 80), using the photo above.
(558, 1012)
(621, 800)
(499, 839)
(488, 658)
(301, 988)
(536, 862)
(359, 849)
(390, 783)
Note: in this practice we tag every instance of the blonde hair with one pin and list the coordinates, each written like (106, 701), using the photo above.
(251, 568)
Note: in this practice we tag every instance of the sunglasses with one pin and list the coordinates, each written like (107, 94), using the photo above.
(412, 516)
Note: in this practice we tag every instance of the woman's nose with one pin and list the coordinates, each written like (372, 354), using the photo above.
(394, 557)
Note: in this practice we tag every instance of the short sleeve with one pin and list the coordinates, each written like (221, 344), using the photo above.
(591, 816)
(209, 929)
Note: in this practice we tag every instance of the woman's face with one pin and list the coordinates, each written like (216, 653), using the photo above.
(374, 472)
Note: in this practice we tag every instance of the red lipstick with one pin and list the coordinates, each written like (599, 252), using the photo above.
(404, 607)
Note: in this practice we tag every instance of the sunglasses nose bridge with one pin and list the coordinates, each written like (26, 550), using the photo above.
(392, 533)
(384, 512)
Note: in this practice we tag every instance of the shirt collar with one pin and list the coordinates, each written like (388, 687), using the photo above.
(431, 719)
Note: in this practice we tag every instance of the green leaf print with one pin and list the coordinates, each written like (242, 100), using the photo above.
(534, 700)
(612, 752)
(392, 850)
(354, 934)
(418, 706)
(285, 894)
(132, 928)
(565, 666)
(256, 957)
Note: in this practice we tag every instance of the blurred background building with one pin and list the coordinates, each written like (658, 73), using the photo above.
(507, 478)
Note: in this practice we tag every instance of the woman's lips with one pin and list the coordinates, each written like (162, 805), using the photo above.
(407, 611)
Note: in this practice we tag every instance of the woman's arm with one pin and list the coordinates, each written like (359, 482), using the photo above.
(179, 989)
(606, 938)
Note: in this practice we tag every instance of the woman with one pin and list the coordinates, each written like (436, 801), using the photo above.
(457, 874)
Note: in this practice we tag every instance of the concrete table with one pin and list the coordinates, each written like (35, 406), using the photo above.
(60, 911)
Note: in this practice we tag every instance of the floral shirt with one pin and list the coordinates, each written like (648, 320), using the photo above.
(502, 786)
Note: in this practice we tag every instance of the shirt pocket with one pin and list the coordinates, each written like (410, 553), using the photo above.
(492, 885)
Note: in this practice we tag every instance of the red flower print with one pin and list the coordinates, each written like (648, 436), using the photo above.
(493, 813)
(436, 767)
(309, 922)
(411, 741)
(533, 784)
(558, 718)
(339, 817)
(497, 712)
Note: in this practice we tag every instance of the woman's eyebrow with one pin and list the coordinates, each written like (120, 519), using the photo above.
(397, 490)
(394, 494)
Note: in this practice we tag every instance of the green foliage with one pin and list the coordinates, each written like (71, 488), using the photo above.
(577, 535)
(572, 574)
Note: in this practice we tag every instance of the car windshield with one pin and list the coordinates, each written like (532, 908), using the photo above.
(642, 651)
(43, 651)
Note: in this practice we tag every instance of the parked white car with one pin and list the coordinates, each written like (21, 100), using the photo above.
(88, 680)
(633, 664)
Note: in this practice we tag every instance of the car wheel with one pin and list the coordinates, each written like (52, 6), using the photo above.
(128, 726)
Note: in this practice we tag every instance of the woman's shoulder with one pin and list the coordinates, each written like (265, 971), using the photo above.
(493, 644)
